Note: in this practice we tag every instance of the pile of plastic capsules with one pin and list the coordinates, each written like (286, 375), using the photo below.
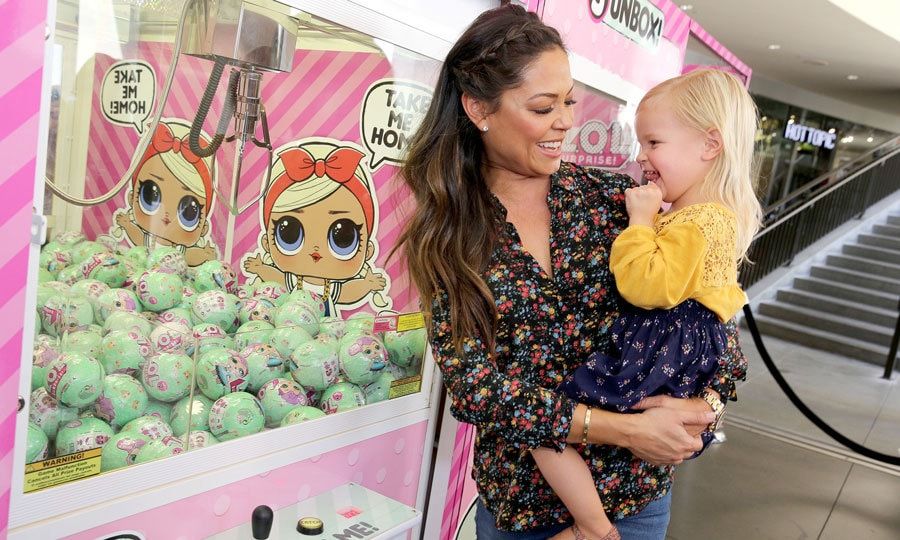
(140, 355)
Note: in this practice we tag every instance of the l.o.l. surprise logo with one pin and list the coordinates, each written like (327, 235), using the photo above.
(598, 8)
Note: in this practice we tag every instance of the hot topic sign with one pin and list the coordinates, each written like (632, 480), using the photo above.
(391, 113)
(129, 88)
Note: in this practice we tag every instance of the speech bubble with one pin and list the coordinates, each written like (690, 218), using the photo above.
(127, 94)
(392, 112)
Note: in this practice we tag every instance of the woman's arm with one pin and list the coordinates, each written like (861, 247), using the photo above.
(660, 435)
(516, 410)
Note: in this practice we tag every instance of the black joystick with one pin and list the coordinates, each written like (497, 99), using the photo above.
(261, 522)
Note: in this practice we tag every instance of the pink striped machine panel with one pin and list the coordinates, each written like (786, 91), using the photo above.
(22, 24)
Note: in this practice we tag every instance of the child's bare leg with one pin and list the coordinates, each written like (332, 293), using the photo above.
(571, 479)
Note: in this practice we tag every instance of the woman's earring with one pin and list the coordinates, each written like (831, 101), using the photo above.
(484, 127)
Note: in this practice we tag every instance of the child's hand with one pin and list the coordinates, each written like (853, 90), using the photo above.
(642, 203)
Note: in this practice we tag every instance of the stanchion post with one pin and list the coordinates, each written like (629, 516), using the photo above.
(892, 353)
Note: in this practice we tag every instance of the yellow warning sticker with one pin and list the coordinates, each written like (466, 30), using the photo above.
(405, 386)
(410, 321)
(59, 470)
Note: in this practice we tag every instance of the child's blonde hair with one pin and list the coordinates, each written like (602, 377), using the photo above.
(709, 99)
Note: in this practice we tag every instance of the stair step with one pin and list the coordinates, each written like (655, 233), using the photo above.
(866, 266)
(829, 304)
(819, 339)
(858, 279)
(879, 241)
(887, 230)
(847, 292)
(836, 324)
(894, 220)
(878, 254)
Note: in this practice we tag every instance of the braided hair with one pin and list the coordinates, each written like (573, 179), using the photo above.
(450, 237)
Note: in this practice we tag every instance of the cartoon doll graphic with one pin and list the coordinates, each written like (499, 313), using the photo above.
(171, 195)
(318, 226)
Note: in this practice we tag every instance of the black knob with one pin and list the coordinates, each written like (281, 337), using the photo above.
(261, 522)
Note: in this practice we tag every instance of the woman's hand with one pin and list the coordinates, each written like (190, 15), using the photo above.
(694, 404)
(663, 435)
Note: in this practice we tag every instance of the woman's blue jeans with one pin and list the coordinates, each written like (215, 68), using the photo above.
(649, 524)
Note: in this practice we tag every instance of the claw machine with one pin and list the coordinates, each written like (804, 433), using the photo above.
(202, 314)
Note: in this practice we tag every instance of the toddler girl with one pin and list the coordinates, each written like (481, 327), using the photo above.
(676, 271)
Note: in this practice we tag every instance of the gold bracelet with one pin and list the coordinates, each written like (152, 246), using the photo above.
(587, 426)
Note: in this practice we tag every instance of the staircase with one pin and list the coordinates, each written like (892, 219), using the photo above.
(849, 304)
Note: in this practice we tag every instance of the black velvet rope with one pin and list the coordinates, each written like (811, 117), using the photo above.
(807, 412)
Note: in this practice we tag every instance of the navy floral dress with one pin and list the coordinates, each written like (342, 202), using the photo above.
(548, 326)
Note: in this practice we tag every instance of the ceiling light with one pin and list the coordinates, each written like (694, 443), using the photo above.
(852, 77)
(870, 139)
(687, 7)
(774, 47)
(831, 130)
(849, 138)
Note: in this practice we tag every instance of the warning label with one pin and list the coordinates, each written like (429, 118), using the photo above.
(55, 471)
(399, 323)
(405, 386)
(410, 321)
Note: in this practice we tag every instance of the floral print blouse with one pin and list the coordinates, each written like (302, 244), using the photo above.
(547, 327)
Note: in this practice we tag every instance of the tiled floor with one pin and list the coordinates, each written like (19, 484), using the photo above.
(759, 486)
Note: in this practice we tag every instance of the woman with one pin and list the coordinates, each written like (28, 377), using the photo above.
(508, 248)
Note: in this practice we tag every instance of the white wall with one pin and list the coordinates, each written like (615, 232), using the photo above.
(443, 19)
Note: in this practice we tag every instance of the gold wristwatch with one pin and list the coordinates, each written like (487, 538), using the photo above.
(718, 407)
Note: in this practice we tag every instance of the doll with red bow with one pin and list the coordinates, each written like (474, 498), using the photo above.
(171, 195)
(318, 225)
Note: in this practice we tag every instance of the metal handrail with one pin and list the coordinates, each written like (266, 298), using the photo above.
(779, 242)
(892, 353)
(824, 176)
(826, 191)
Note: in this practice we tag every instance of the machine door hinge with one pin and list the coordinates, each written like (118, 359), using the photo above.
(38, 229)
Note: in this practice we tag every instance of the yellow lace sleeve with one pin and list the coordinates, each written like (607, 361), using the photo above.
(658, 269)
(719, 228)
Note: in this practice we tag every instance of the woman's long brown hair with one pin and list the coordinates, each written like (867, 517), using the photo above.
(452, 232)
